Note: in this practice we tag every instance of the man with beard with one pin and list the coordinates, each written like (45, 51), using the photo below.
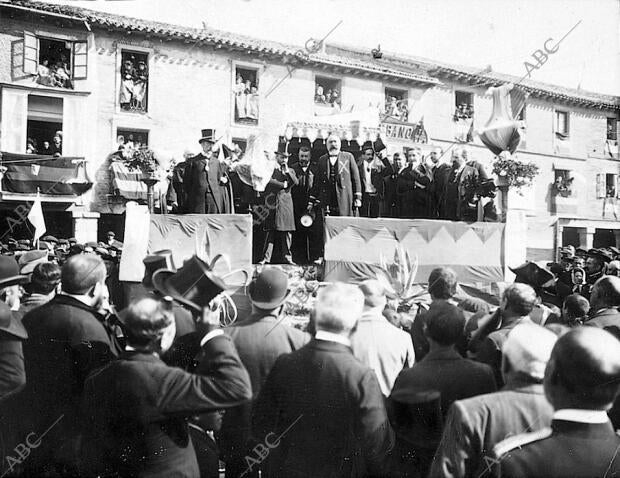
(412, 187)
(337, 187)
(372, 172)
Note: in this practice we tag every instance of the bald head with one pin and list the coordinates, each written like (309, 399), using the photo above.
(584, 370)
(81, 272)
(605, 293)
(338, 308)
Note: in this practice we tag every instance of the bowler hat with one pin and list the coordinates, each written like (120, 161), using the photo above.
(29, 260)
(532, 274)
(49, 238)
(600, 254)
(9, 272)
(270, 289)
(194, 285)
(155, 261)
(8, 323)
(207, 135)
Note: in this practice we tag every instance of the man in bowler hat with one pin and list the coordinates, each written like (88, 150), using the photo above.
(206, 181)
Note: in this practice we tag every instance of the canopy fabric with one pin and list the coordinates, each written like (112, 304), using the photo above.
(354, 247)
(362, 124)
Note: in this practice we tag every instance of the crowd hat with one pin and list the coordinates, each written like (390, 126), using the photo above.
(269, 289)
(29, 260)
(528, 348)
(207, 135)
(601, 254)
(8, 323)
(282, 150)
(9, 272)
(154, 262)
(50, 238)
(194, 285)
(532, 274)
(567, 251)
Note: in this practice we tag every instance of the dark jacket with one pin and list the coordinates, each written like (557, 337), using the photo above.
(455, 377)
(347, 182)
(607, 319)
(279, 201)
(567, 449)
(205, 193)
(137, 408)
(458, 192)
(438, 189)
(328, 410)
(12, 369)
(476, 424)
(411, 189)
(300, 192)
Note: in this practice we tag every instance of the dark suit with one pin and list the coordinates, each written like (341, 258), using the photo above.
(337, 192)
(371, 200)
(204, 191)
(475, 425)
(438, 189)
(459, 192)
(568, 449)
(453, 376)
(391, 200)
(12, 369)
(607, 319)
(67, 341)
(332, 409)
(137, 407)
(281, 217)
(260, 340)
(411, 188)
(307, 241)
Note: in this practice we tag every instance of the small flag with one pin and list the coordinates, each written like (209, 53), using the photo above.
(35, 216)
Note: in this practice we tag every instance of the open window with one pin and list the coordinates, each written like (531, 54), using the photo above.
(563, 182)
(134, 81)
(464, 105)
(44, 125)
(327, 91)
(612, 129)
(562, 127)
(245, 96)
(132, 138)
(54, 62)
(396, 104)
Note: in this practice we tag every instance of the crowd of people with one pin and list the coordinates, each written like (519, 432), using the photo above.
(162, 388)
(50, 148)
(56, 73)
(246, 99)
(134, 83)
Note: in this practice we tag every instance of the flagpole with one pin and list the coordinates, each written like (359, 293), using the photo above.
(36, 240)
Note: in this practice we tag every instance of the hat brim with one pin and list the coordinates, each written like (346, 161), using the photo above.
(159, 279)
(15, 328)
(14, 280)
(274, 303)
(208, 140)
(278, 153)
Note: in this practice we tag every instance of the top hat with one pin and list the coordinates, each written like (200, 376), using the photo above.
(29, 260)
(367, 145)
(270, 289)
(532, 274)
(155, 261)
(282, 150)
(207, 135)
(9, 272)
(9, 324)
(378, 145)
(194, 285)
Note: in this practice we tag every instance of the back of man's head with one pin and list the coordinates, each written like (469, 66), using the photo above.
(442, 283)
(374, 294)
(584, 370)
(527, 350)
(444, 323)
(81, 273)
(45, 278)
(146, 322)
(576, 306)
(338, 308)
(520, 299)
(605, 293)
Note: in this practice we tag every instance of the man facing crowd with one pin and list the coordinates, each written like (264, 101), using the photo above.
(372, 171)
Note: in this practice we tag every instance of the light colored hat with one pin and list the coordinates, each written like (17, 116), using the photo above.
(528, 348)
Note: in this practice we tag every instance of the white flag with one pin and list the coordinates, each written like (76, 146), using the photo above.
(35, 216)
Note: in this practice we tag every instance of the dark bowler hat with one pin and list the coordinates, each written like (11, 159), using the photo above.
(601, 254)
(207, 135)
(155, 261)
(29, 260)
(270, 289)
(9, 272)
(49, 238)
(193, 285)
(9, 324)
(532, 274)
(367, 145)
(581, 252)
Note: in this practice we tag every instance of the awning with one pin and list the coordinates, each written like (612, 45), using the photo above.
(360, 125)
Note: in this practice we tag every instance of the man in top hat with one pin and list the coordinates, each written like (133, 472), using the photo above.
(260, 339)
(476, 424)
(280, 222)
(581, 380)
(206, 181)
(337, 186)
(372, 170)
(12, 333)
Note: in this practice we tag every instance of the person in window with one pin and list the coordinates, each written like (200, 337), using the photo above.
(252, 107)
(335, 98)
(57, 144)
(319, 97)
(61, 75)
(140, 80)
(46, 149)
(127, 83)
(31, 146)
(240, 101)
(43, 73)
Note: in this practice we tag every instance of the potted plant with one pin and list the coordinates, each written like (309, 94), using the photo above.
(514, 174)
(143, 159)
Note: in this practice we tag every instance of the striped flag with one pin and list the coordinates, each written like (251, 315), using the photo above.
(35, 216)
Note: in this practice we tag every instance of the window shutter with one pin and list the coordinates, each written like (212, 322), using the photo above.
(31, 53)
(17, 60)
(80, 60)
(617, 186)
(600, 186)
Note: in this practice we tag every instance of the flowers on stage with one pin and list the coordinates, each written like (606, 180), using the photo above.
(514, 173)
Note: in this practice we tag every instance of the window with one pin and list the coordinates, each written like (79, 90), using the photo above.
(611, 181)
(54, 62)
(245, 95)
(396, 104)
(563, 182)
(132, 139)
(44, 125)
(134, 81)
(327, 91)
(239, 147)
(561, 124)
(612, 129)
(464, 105)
